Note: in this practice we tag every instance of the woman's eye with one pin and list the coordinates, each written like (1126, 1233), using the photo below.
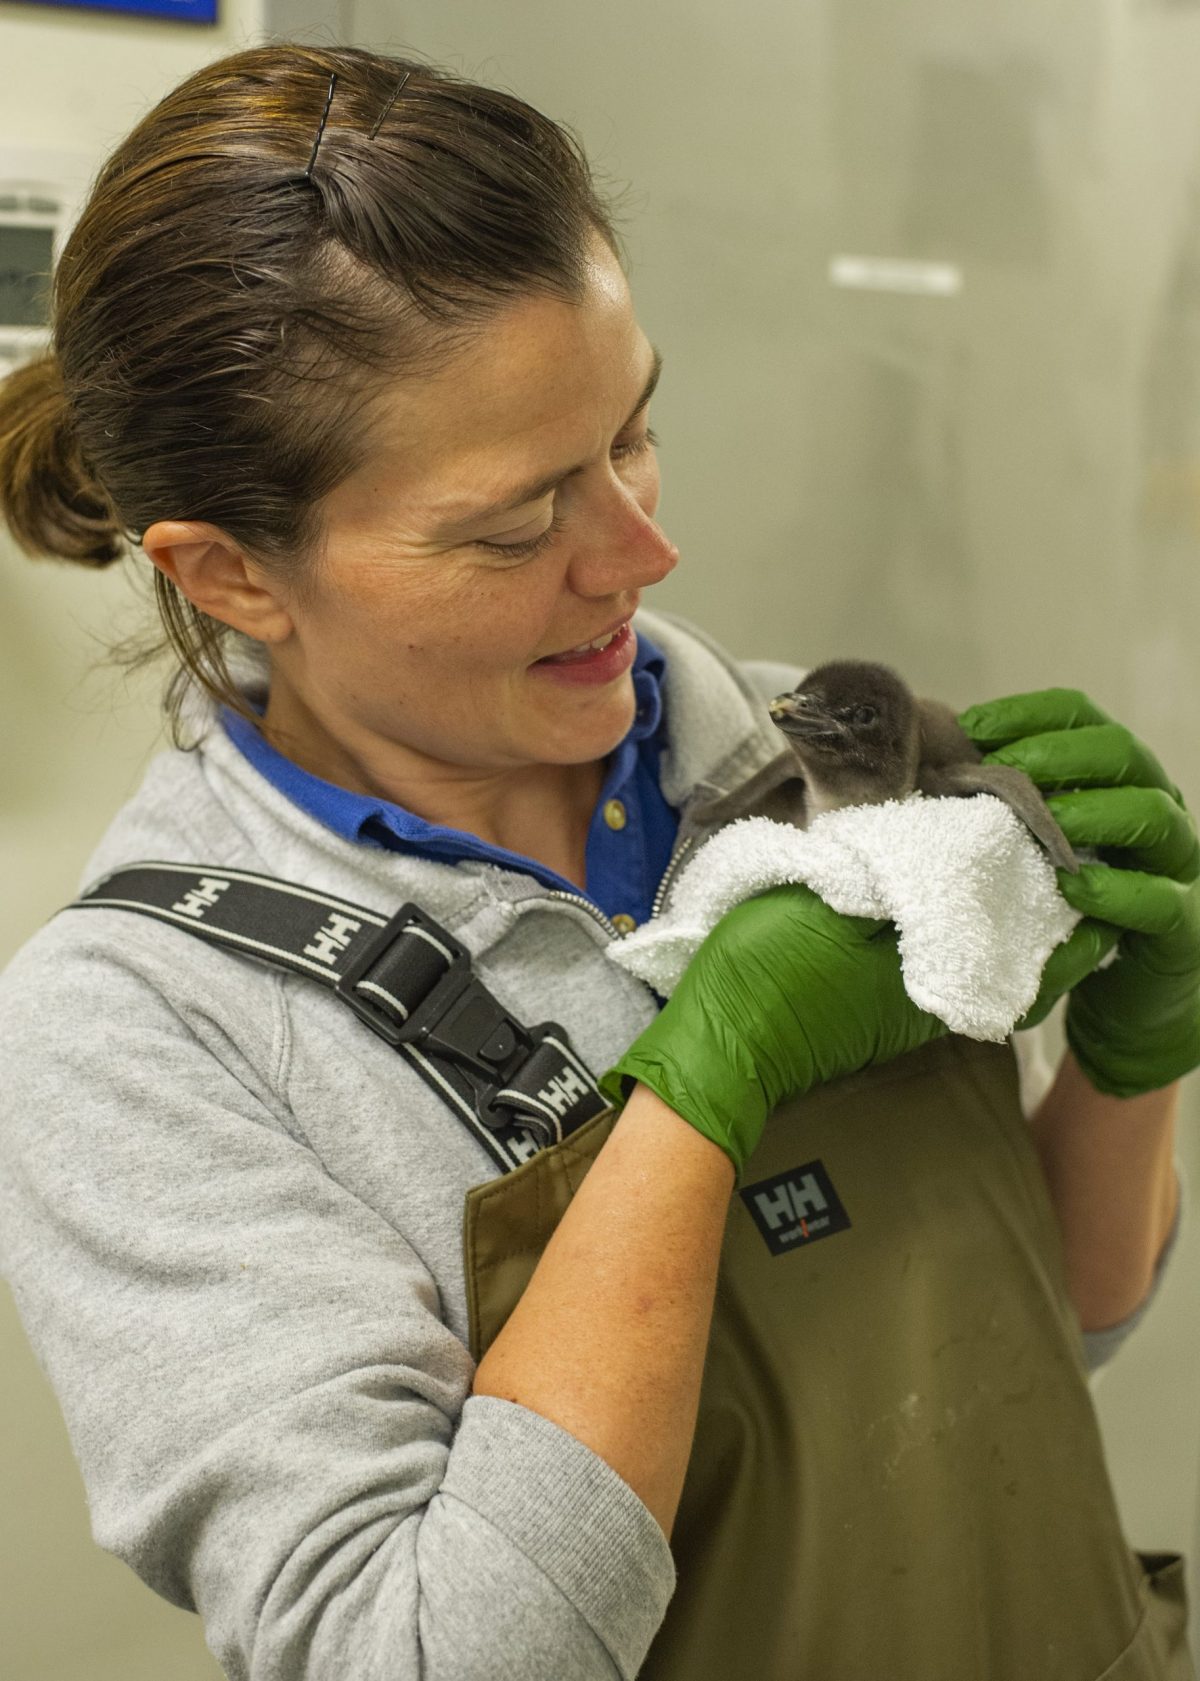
(635, 446)
(533, 545)
(528, 545)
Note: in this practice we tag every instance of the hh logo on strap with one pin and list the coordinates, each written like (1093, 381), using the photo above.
(201, 898)
(331, 941)
(796, 1207)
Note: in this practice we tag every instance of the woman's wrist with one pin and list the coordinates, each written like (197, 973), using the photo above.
(1109, 1166)
(653, 1067)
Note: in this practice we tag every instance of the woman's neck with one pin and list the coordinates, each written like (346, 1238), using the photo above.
(541, 812)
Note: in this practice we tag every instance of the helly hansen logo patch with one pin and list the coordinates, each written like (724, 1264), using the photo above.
(796, 1207)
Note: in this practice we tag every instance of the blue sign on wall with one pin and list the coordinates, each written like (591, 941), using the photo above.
(187, 11)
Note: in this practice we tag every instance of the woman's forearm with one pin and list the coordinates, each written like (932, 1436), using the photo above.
(1109, 1163)
(608, 1340)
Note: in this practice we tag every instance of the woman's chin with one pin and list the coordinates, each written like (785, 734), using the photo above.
(577, 734)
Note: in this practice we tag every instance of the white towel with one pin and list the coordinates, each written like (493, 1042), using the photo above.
(974, 899)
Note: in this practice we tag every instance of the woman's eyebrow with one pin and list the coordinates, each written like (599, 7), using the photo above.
(648, 389)
(533, 492)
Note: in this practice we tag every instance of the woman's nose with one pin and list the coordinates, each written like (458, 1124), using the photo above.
(618, 545)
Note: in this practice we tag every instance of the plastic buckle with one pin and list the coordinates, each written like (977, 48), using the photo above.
(376, 1013)
(458, 1019)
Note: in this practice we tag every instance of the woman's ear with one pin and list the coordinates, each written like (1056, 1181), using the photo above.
(208, 567)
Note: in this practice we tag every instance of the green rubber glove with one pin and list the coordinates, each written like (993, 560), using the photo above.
(785, 994)
(1135, 1025)
(782, 995)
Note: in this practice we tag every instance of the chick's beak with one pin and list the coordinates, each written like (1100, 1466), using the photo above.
(802, 715)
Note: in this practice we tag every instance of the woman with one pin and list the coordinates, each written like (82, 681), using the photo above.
(344, 343)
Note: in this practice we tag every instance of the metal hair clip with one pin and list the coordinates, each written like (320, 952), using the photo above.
(321, 129)
(399, 89)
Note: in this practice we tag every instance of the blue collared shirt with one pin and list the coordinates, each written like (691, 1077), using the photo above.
(624, 864)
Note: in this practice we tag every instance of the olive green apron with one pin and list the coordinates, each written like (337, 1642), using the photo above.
(897, 1472)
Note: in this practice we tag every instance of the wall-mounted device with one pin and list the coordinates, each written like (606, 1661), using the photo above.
(41, 193)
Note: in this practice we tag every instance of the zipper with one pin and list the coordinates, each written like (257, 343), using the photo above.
(669, 875)
(595, 912)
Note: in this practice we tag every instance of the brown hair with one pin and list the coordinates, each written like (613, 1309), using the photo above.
(254, 262)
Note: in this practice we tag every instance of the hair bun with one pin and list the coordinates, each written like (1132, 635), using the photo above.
(50, 502)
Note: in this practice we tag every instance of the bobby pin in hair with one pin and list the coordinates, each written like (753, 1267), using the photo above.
(321, 129)
(397, 91)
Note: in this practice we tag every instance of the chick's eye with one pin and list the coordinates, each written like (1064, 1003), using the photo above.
(864, 715)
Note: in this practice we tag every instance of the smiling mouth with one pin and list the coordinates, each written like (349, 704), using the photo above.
(598, 643)
(583, 649)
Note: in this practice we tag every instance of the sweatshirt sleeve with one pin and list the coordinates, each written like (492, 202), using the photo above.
(273, 1423)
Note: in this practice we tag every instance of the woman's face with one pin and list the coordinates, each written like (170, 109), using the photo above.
(505, 516)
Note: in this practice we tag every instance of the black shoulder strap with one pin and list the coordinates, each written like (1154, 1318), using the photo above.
(515, 1088)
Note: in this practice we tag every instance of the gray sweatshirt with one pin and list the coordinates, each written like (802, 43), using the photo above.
(231, 1218)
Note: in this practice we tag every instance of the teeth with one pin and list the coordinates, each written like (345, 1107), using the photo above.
(590, 647)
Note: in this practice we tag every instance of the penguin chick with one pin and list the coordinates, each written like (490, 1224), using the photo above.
(856, 735)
